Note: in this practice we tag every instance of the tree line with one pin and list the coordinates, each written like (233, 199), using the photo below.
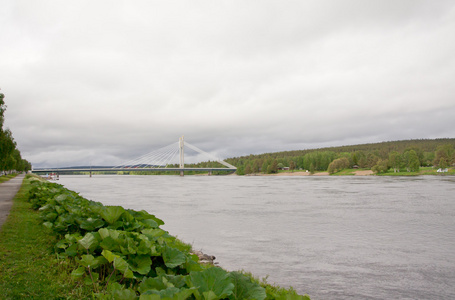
(408, 155)
(10, 157)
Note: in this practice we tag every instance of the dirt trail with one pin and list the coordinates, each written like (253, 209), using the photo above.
(8, 190)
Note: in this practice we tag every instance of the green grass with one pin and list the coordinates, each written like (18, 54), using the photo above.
(28, 267)
(422, 171)
(7, 177)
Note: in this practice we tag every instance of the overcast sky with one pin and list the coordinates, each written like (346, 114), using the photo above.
(102, 82)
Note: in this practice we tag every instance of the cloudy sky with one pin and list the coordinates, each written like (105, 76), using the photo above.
(102, 82)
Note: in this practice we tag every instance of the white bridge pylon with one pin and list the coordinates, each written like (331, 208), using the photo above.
(165, 158)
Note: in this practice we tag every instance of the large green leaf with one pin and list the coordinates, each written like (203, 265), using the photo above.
(88, 241)
(245, 288)
(154, 283)
(91, 224)
(79, 272)
(150, 223)
(88, 261)
(145, 247)
(214, 280)
(111, 213)
(71, 251)
(210, 295)
(61, 198)
(153, 232)
(48, 225)
(143, 215)
(121, 265)
(104, 232)
(141, 264)
(109, 244)
(109, 255)
(173, 257)
(126, 294)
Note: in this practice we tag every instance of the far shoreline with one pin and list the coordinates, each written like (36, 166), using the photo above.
(424, 171)
(302, 173)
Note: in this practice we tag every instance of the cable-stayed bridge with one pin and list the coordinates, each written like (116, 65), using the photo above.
(163, 159)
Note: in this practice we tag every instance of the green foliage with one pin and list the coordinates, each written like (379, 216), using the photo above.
(395, 161)
(10, 156)
(212, 283)
(246, 288)
(381, 167)
(338, 165)
(413, 161)
(444, 156)
(124, 254)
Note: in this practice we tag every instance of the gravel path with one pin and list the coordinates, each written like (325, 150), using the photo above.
(8, 190)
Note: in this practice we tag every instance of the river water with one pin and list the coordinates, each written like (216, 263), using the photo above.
(330, 237)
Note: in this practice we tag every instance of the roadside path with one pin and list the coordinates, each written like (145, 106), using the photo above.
(8, 190)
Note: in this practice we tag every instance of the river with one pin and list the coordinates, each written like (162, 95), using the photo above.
(355, 237)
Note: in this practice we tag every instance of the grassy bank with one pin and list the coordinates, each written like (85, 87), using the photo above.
(390, 172)
(28, 267)
(422, 171)
(7, 177)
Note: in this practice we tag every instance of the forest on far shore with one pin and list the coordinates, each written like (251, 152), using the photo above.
(406, 155)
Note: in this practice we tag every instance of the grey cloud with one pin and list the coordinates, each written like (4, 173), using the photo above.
(109, 81)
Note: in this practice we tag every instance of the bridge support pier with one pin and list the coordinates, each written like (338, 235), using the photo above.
(181, 173)
(210, 172)
(90, 173)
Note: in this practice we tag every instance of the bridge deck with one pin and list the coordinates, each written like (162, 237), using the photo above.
(55, 170)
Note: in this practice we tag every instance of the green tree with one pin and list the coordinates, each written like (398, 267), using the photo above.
(248, 169)
(292, 165)
(2, 110)
(256, 166)
(311, 169)
(372, 160)
(442, 163)
(413, 163)
(338, 165)
(274, 166)
(381, 167)
(395, 161)
(444, 153)
(7, 145)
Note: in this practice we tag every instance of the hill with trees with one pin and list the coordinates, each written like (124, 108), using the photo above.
(407, 155)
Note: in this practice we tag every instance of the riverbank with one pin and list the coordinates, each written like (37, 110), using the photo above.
(362, 172)
(29, 268)
(302, 173)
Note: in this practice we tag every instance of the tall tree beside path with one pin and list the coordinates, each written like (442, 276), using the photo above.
(10, 156)
(2, 110)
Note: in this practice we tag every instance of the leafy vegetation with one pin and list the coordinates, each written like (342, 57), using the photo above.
(124, 254)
